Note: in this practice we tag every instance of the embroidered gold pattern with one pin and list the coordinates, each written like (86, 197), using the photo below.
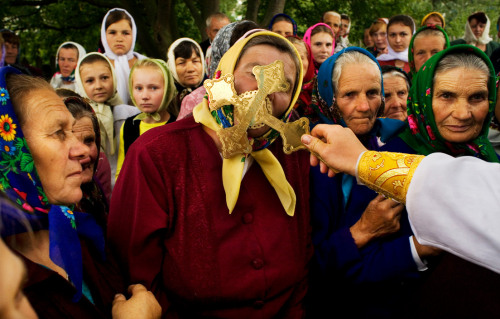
(388, 173)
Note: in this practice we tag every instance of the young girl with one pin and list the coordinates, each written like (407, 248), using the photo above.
(118, 34)
(96, 80)
(320, 39)
(399, 32)
(152, 90)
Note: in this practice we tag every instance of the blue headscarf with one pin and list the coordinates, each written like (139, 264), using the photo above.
(20, 182)
(285, 16)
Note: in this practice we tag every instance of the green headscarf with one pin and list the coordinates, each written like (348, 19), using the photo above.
(169, 90)
(413, 71)
(422, 133)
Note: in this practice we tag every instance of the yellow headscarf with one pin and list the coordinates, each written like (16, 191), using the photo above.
(232, 168)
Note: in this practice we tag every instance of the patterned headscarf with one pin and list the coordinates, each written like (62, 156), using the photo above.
(220, 45)
(232, 168)
(169, 90)
(411, 59)
(422, 133)
(285, 16)
(20, 182)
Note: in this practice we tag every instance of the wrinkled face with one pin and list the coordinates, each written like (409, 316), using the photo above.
(396, 94)
(11, 51)
(119, 37)
(244, 79)
(283, 28)
(399, 36)
(215, 26)
(84, 132)
(321, 46)
(433, 20)
(55, 149)
(425, 47)
(477, 27)
(67, 60)
(97, 81)
(344, 25)
(13, 275)
(303, 56)
(333, 22)
(460, 110)
(380, 38)
(147, 88)
(367, 39)
(189, 70)
(359, 96)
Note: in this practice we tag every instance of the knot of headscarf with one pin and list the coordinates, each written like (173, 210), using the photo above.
(232, 168)
(422, 133)
(20, 182)
(169, 90)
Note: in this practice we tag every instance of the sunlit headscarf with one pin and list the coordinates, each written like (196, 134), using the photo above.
(169, 90)
(232, 168)
(103, 110)
(422, 133)
(19, 180)
(121, 61)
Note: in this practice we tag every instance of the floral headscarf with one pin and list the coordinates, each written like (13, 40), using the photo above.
(20, 182)
(411, 59)
(285, 16)
(232, 168)
(422, 133)
(169, 90)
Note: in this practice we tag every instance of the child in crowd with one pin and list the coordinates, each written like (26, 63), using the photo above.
(152, 90)
(399, 32)
(96, 80)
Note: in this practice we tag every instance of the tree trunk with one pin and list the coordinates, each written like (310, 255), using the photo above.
(274, 7)
(200, 16)
(252, 10)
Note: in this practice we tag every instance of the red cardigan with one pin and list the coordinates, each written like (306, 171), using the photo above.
(170, 225)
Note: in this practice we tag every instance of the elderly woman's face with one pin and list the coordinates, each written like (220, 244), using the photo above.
(460, 110)
(359, 96)
(189, 71)
(84, 132)
(13, 303)
(477, 27)
(396, 94)
(245, 81)
(425, 47)
(55, 149)
(119, 37)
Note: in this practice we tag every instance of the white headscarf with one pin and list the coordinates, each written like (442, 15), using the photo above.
(171, 58)
(57, 80)
(102, 110)
(470, 38)
(121, 61)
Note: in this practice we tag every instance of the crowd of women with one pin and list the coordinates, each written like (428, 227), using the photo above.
(185, 179)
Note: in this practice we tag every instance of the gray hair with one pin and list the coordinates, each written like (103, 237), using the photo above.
(351, 57)
(430, 33)
(461, 60)
(394, 73)
(333, 13)
(217, 15)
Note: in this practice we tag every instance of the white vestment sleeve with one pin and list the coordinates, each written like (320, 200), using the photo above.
(454, 204)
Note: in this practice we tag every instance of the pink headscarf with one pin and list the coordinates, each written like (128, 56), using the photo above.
(307, 35)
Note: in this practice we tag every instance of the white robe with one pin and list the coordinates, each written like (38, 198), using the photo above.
(454, 204)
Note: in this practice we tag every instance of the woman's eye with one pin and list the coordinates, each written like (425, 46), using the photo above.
(61, 134)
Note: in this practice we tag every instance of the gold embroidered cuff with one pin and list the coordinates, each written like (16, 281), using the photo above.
(388, 173)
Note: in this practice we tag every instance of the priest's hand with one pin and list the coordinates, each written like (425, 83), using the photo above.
(142, 304)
